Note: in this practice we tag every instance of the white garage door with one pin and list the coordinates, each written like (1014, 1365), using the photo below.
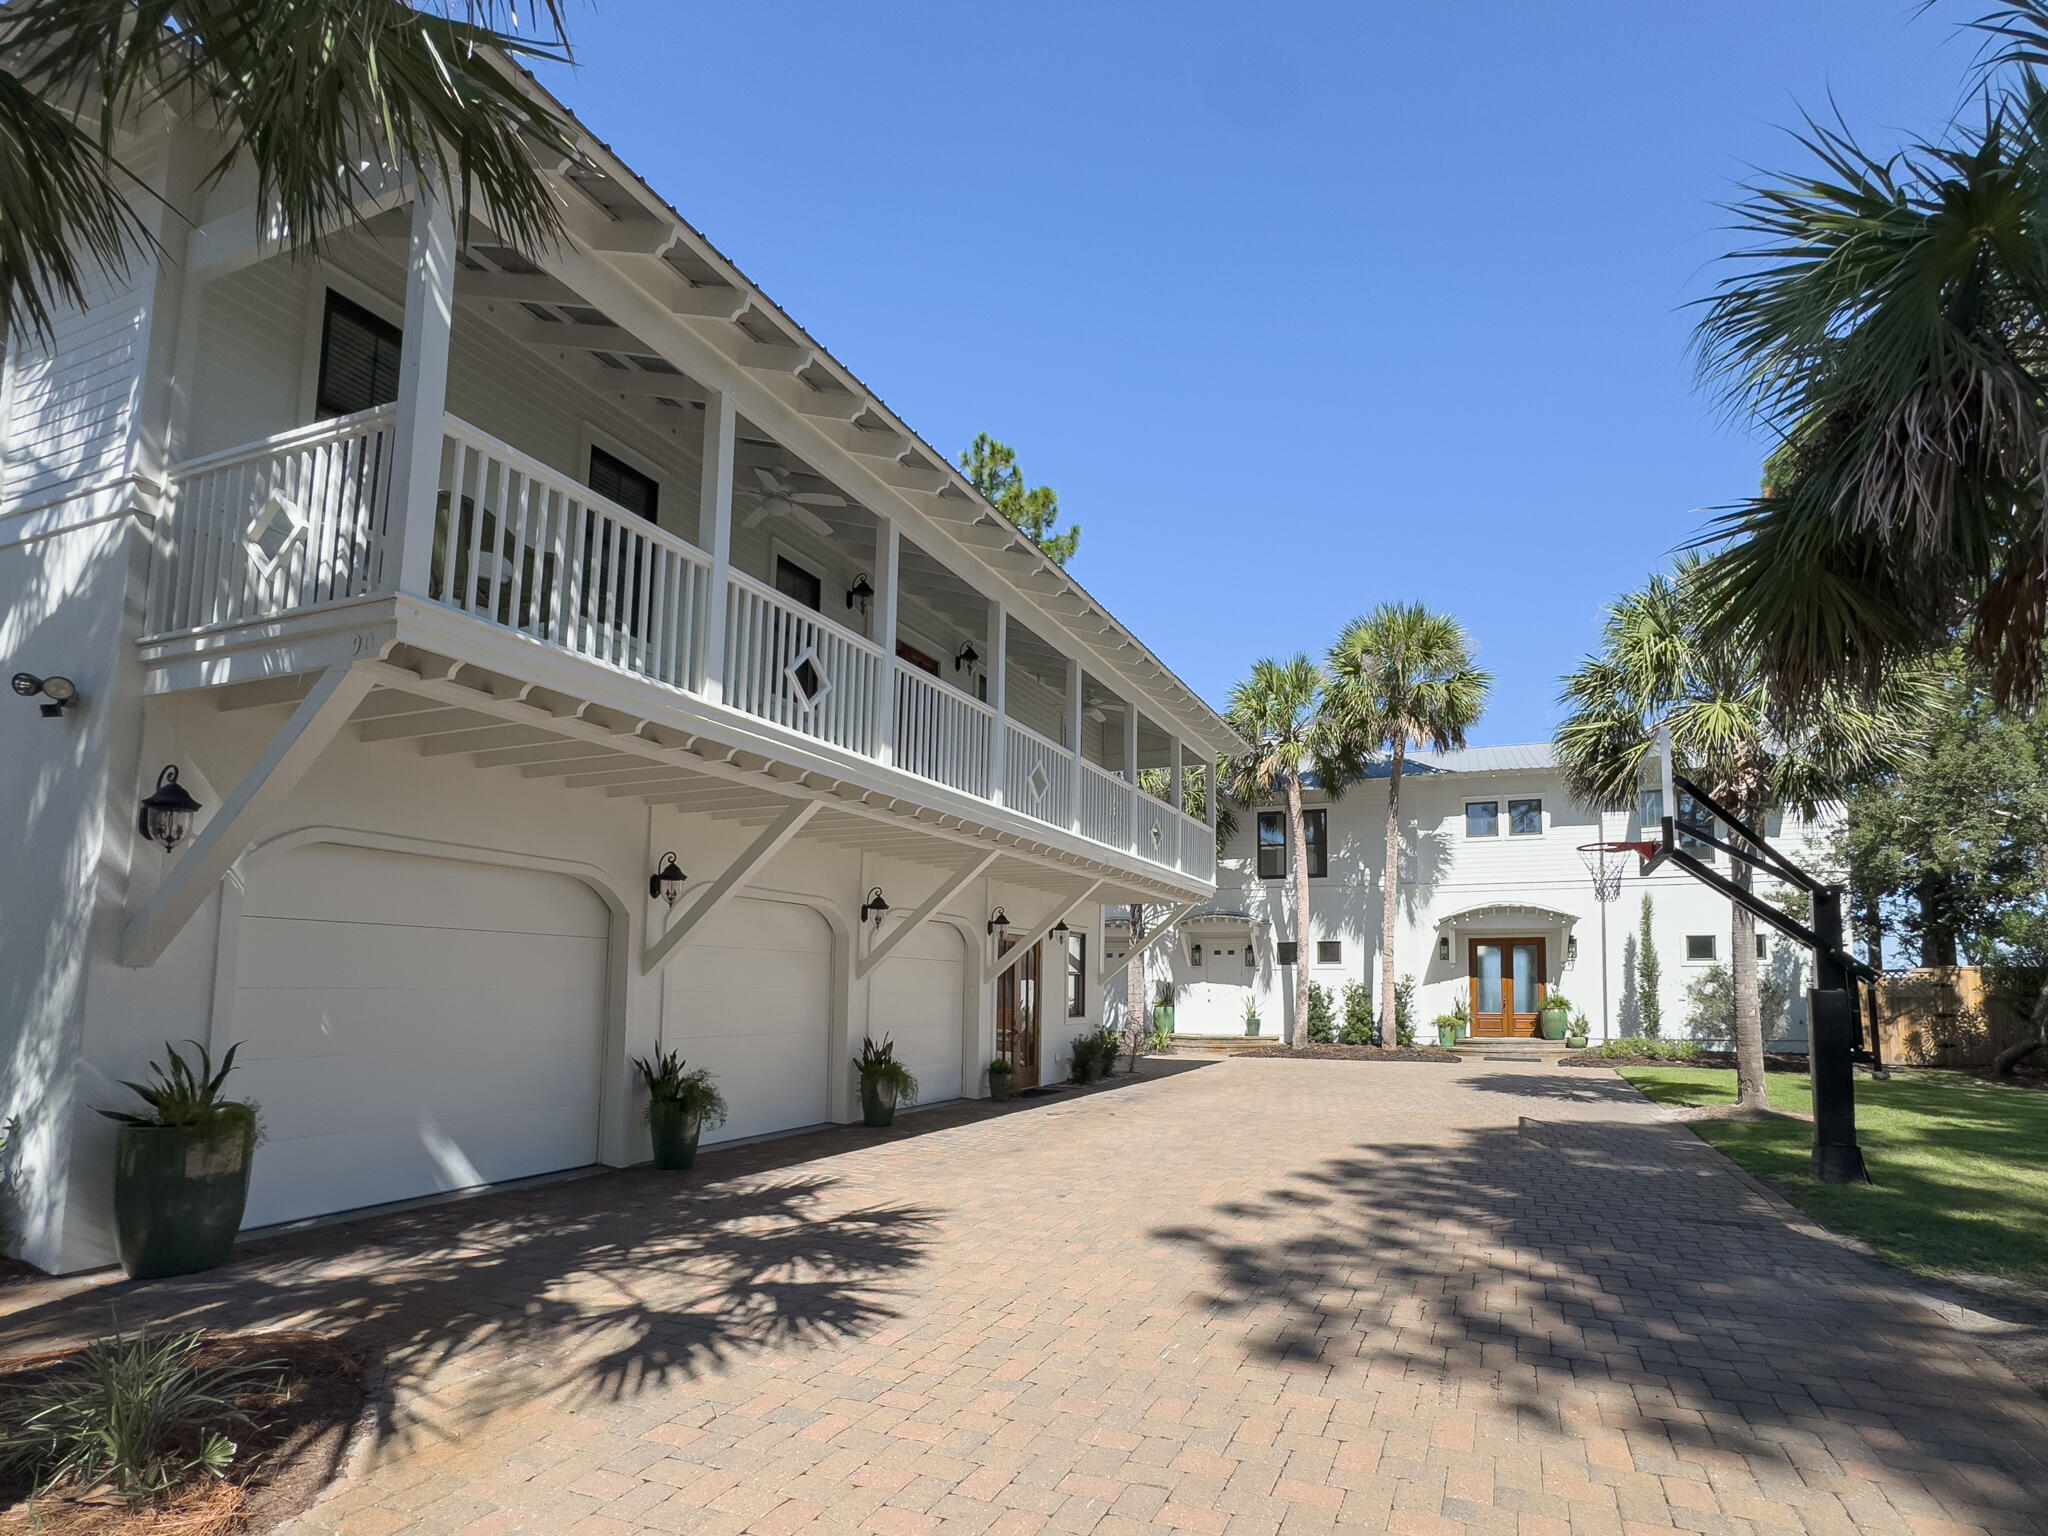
(916, 1001)
(414, 1025)
(748, 999)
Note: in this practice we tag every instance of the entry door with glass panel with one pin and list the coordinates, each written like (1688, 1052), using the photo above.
(1017, 1015)
(1507, 986)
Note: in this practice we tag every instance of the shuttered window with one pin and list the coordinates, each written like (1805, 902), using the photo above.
(618, 481)
(358, 359)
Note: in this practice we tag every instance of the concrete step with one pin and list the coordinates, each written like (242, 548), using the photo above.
(1521, 1049)
(1218, 1045)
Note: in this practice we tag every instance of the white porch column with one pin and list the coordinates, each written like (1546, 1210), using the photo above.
(888, 564)
(1131, 773)
(714, 532)
(1214, 793)
(1173, 745)
(998, 699)
(1074, 741)
(422, 396)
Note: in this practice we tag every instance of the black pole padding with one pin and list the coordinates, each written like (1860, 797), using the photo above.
(1831, 1043)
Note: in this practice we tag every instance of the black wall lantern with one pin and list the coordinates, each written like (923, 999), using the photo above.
(56, 692)
(1443, 947)
(861, 593)
(167, 813)
(667, 880)
(1060, 930)
(966, 656)
(876, 907)
(998, 920)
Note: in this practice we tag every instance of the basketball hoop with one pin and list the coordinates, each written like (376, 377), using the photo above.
(1606, 861)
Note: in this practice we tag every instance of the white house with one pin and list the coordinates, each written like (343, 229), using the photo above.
(1496, 907)
(460, 589)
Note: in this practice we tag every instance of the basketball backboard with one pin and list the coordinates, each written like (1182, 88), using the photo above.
(1656, 798)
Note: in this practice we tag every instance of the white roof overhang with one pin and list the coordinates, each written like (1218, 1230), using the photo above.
(1502, 917)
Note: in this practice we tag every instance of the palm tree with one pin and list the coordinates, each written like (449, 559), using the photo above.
(1661, 664)
(1402, 677)
(305, 91)
(1889, 324)
(1279, 710)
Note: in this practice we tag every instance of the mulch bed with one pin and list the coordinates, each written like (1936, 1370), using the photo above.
(18, 1272)
(298, 1445)
(1772, 1063)
(1357, 1052)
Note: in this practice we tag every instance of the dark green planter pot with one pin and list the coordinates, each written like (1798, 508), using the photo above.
(675, 1131)
(1251, 1028)
(1446, 1035)
(1575, 1042)
(1001, 1085)
(878, 1104)
(1164, 1018)
(179, 1196)
(1555, 1025)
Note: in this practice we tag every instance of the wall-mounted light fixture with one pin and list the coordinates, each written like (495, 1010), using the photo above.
(876, 907)
(1194, 954)
(1443, 947)
(56, 692)
(1571, 950)
(167, 813)
(861, 593)
(667, 880)
(966, 656)
(998, 920)
(1060, 930)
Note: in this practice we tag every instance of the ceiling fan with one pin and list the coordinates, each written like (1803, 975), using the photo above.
(779, 497)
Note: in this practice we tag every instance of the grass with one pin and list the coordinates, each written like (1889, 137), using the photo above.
(1959, 1167)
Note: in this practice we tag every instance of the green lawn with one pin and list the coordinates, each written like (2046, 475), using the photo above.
(1959, 1168)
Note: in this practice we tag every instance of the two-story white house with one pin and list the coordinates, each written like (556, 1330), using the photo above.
(461, 588)
(1496, 907)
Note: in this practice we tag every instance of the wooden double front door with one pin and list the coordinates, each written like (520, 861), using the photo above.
(1018, 1007)
(1507, 986)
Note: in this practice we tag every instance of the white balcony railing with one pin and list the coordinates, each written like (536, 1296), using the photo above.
(1038, 777)
(943, 735)
(301, 521)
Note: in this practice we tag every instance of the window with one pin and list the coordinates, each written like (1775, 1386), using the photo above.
(1692, 814)
(358, 359)
(1315, 831)
(1482, 818)
(618, 481)
(1077, 975)
(1760, 947)
(798, 584)
(1525, 818)
(1286, 949)
(1329, 951)
(1699, 946)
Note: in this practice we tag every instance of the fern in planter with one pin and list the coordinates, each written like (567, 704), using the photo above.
(885, 1082)
(681, 1101)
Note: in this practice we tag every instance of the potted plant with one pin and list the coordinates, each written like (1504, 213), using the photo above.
(1162, 1007)
(181, 1171)
(1251, 1016)
(1447, 1030)
(1002, 1079)
(1581, 1032)
(1554, 1016)
(885, 1082)
(680, 1103)
(1461, 1015)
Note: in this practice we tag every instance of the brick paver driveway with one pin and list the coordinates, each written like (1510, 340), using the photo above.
(1252, 1296)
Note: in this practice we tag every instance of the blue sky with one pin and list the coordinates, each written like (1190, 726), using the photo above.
(1299, 308)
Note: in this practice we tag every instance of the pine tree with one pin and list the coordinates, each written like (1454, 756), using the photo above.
(992, 466)
(1649, 973)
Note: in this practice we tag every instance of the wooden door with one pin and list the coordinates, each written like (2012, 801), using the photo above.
(1507, 986)
(1018, 993)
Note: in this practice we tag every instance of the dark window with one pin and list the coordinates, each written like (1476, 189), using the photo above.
(1329, 951)
(1077, 975)
(1482, 818)
(1760, 946)
(1272, 845)
(1696, 816)
(1286, 951)
(358, 359)
(622, 483)
(1699, 946)
(1525, 818)
(798, 584)
(1315, 831)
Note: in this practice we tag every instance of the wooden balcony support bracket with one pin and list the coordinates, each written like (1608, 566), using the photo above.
(1156, 937)
(1038, 931)
(226, 837)
(774, 837)
(949, 887)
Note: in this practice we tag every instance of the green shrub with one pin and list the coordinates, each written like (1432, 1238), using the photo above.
(878, 1065)
(668, 1082)
(137, 1415)
(179, 1095)
(1094, 1054)
(1358, 1029)
(1322, 1015)
(1645, 1049)
(1404, 1005)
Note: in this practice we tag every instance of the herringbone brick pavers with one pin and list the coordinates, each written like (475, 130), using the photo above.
(1249, 1297)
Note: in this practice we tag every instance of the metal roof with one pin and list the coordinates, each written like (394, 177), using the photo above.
(1521, 757)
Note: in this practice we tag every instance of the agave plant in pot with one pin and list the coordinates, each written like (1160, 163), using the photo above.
(681, 1101)
(1002, 1079)
(181, 1170)
(885, 1082)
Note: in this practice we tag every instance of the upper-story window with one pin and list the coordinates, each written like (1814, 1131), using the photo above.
(798, 584)
(616, 480)
(1482, 818)
(1525, 818)
(358, 359)
(1315, 828)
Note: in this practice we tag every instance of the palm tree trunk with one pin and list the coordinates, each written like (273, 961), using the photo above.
(1297, 832)
(1134, 984)
(1390, 886)
(1751, 1092)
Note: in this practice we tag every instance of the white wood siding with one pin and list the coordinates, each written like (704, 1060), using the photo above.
(71, 400)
